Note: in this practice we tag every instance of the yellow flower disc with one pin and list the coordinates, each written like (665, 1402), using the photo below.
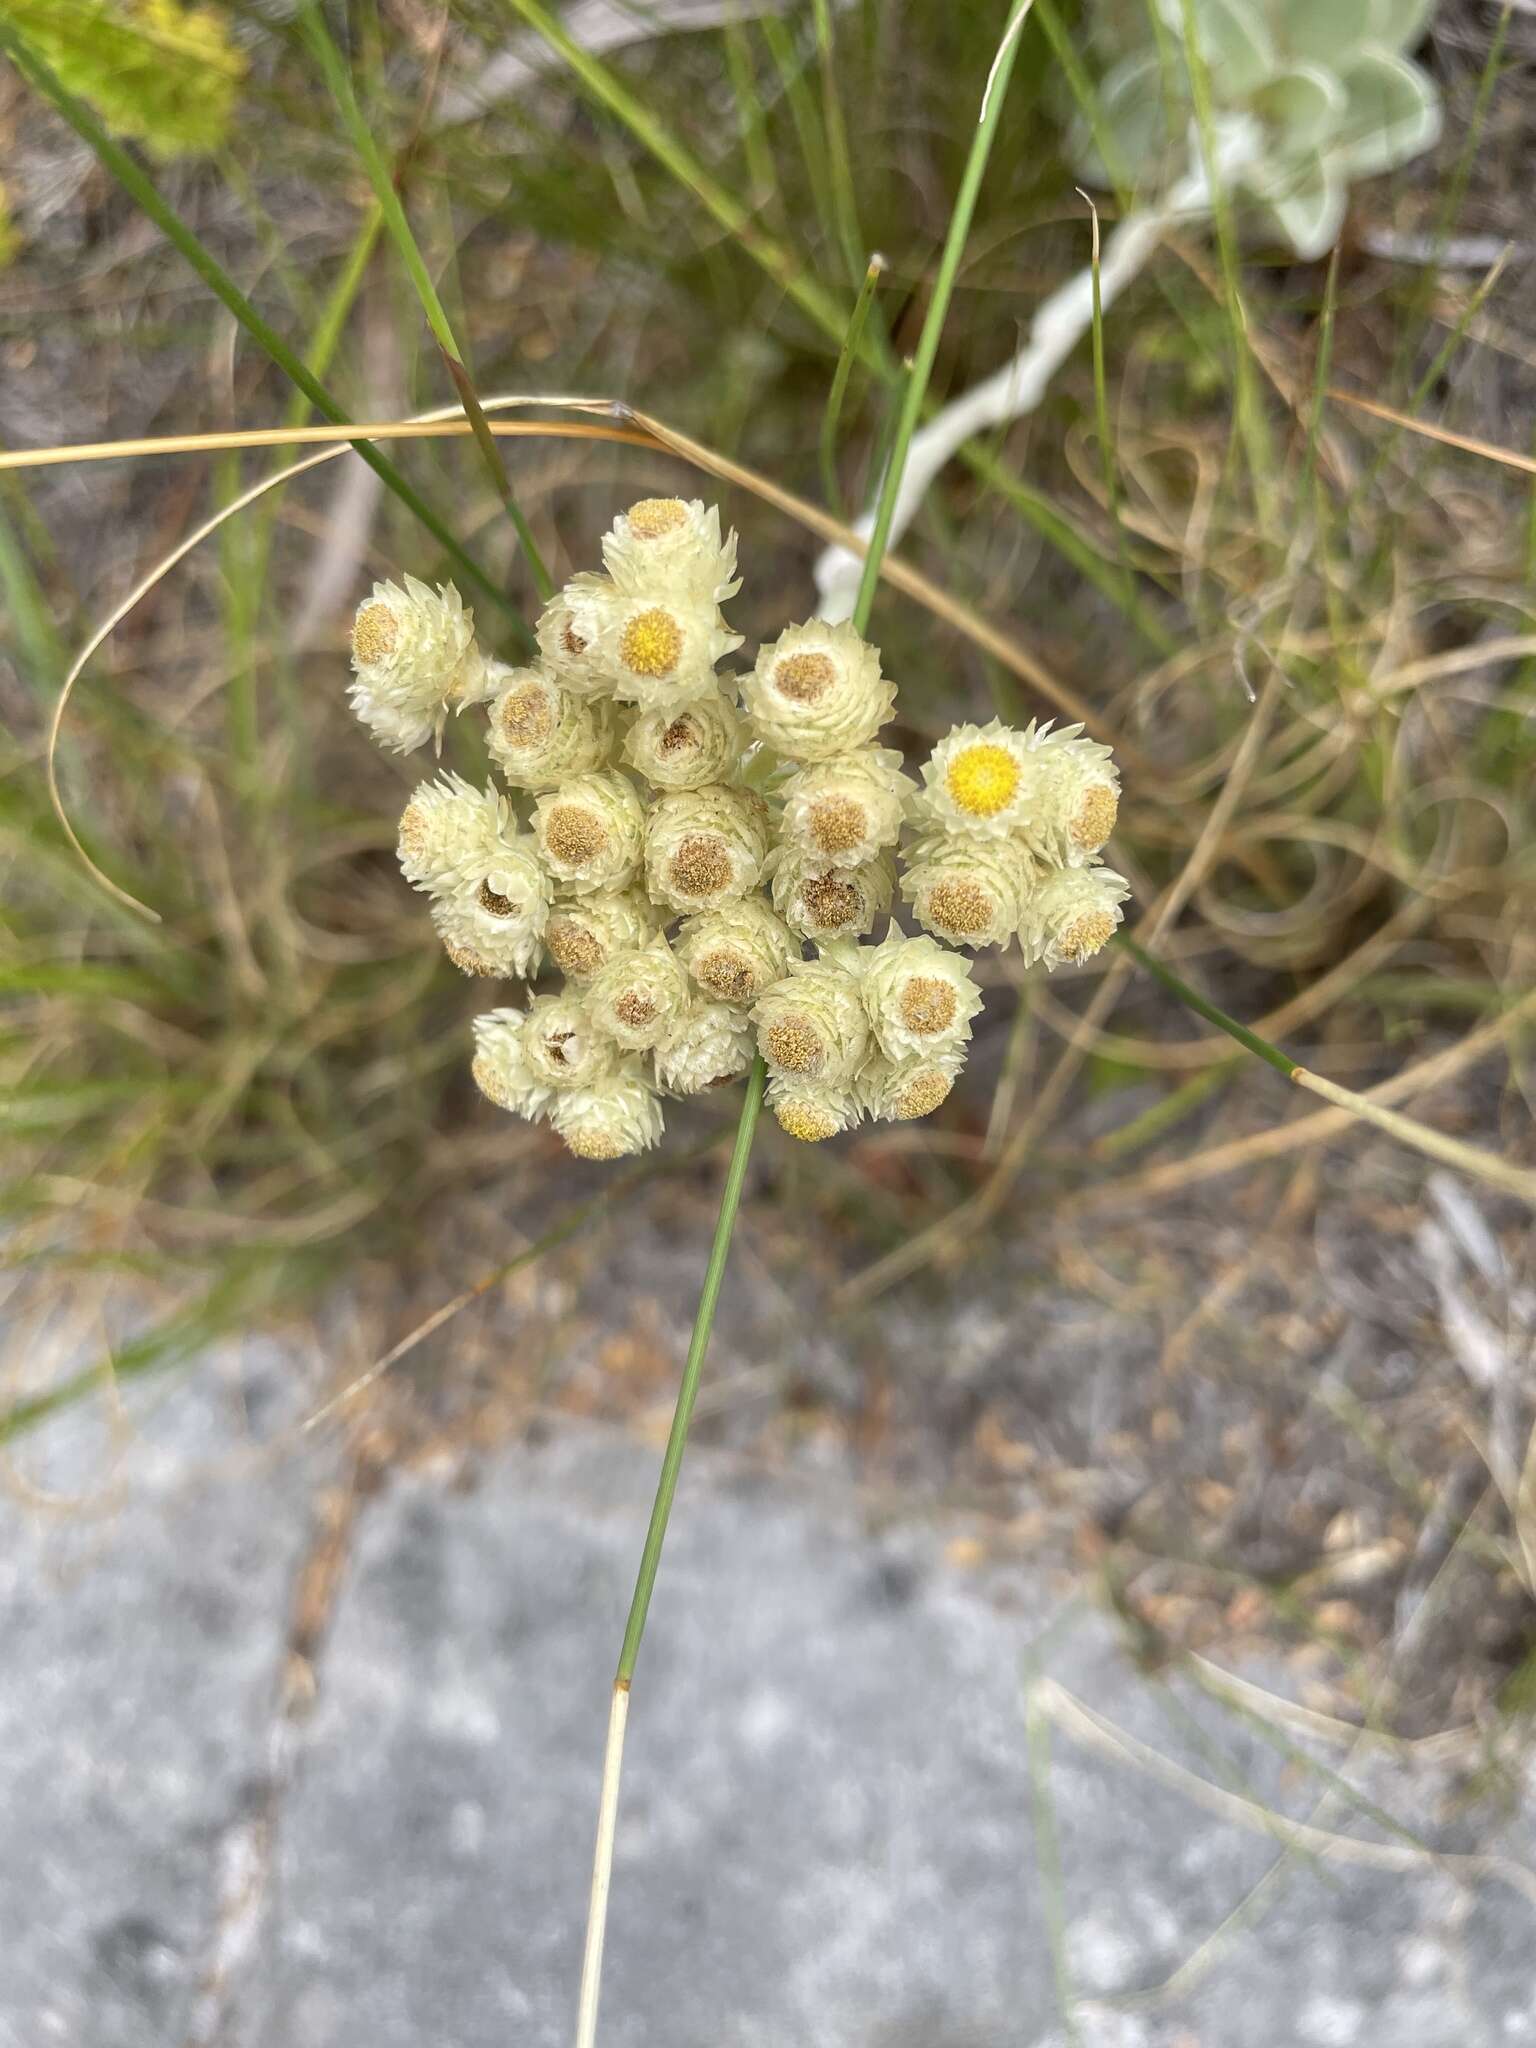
(982, 780)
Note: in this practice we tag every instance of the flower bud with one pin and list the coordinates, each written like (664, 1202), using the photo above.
(610, 1118)
(823, 902)
(712, 1044)
(591, 831)
(735, 952)
(969, 892)
(811, 1025)
(501, 1070)
(705, 847)
(540, 735)
(846, 811)
(686, 746)
(584, 933)
(1071, 914)
(666, 545)
(919, 997)
(414, 660)
(818, 692)
(810, 1111)
(640, 999)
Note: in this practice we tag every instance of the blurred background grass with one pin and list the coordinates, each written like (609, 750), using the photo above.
(1313, 642)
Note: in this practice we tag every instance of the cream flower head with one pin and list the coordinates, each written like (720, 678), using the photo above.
(414, 660)
(846, 811)
(591, 831)
(500, 922)
(562, 1047)
(734, 953)
(811, 1025)
(1071, 914)
(900, 1091)
(713, 1043)
(610, 1118)
(640, 999)
(540, 735)
(818, 692)
(584, 933)
(980, 780)
(810, 1111)
(823, 903)
(1077, 798)
(659, 651)
(501, 1070)
(686, 746)
(672, 546)
(969, 892)
(451, 835)
(918, 995)
(568, 631)
(705, 847)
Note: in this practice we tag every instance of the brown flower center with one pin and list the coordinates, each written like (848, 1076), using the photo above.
(575, 949)
(634, 1008)
(1095, 817)
(1086, 934)
(804, 1121)
(701, 867)
(829, 901)
(571, 640)
(467, 960)
(498, 905)
(927, 1004)
(922, 1095)
(793, 1043)
(961, 906)
(573, 836)
(682, 733)
(527, 716)
(652, 517)
(804, 678)
(728, 975)
(413, 832)
(375, 634)
(837, 824)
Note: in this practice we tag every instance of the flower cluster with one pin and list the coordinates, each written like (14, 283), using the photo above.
(705, 857)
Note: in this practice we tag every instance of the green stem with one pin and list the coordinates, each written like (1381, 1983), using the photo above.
(339, 79)
(916, 389)
(703, 1326)
(1261, 1048)
(730, 1199)
(146, 196)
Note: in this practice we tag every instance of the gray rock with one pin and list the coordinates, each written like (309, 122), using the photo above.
(829, 1824)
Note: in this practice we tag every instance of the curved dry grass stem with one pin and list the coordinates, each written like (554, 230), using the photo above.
(622, 423)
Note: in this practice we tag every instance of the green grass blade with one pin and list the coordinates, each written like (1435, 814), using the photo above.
(832, 417)
(147, 196)
(339, 80)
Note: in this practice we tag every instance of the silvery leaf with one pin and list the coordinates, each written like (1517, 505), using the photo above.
(1233, 40)
(1304, 104)
(1306, 197)
(1398, 24)
(1132, 126)
(1323, 31)
(1393, 114)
